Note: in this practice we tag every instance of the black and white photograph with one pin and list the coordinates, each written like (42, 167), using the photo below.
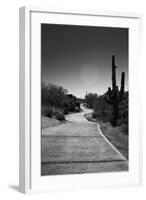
(84, 99)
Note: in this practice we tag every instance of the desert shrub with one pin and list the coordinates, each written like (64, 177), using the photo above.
(65, 111)
(124, 129)
(77, 109)
(59, 116)
(104, 111)
(91, 99)
(47, 111)
(52, 95)
(94, 115)
(123, 110)
(71, 106)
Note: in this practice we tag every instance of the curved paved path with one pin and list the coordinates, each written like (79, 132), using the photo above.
(78, 146)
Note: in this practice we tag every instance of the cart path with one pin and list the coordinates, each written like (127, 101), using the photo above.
(78, 146)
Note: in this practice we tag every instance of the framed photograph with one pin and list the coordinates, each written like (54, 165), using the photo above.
(79, 103)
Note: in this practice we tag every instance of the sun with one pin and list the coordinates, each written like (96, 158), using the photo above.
(89, 74)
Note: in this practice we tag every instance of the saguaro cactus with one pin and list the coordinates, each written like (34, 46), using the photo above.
(115, 96)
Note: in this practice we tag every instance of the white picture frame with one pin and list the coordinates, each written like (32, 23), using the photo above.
(29, 143)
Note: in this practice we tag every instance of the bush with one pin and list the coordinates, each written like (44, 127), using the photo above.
(65, 111)
(52, 95)
(59, 116)
(71, 107)
(94, 115)
(47, 111)
(91, 99)
(77, 109)
(124, 129)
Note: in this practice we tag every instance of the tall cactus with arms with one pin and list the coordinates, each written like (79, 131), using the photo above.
(114, 95)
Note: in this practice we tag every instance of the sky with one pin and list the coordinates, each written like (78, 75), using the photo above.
(79, 58)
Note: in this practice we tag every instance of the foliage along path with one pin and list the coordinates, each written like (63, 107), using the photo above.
(78, 146)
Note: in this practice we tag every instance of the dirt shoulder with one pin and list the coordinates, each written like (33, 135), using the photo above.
(49, 122)
(116, 135)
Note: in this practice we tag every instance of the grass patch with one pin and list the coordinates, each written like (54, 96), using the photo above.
(117, 136)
